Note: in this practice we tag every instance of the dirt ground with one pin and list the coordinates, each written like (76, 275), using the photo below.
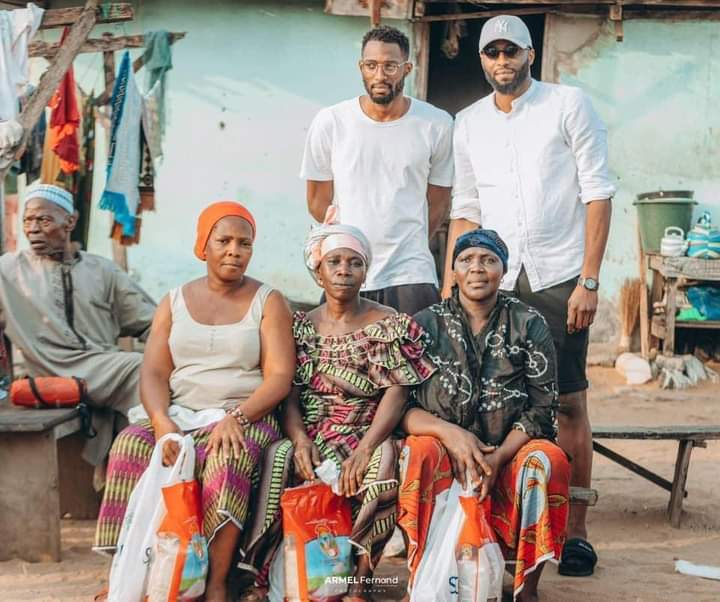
(628, 527)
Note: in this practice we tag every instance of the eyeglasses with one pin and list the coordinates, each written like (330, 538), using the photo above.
(493, 52)
(389, 68)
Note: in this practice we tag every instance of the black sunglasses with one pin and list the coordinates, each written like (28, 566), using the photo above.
(493, 52)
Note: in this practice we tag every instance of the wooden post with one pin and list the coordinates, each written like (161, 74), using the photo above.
(670, 311)
(682, 464)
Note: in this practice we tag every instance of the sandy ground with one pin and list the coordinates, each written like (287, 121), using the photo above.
(628, 527)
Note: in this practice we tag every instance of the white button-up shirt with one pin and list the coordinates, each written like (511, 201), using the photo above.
(529, 173)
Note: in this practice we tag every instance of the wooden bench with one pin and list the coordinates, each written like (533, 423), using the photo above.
(687, 437)
(42, 477)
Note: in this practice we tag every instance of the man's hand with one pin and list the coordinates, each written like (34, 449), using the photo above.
(353, 471)
(467, 455)
(582, 306)
(306, 457)
(227, 438)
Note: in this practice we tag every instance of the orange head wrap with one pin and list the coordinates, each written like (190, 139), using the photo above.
(211, 215)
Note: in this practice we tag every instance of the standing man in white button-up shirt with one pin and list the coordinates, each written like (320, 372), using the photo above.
(384, 160)
(531, 162)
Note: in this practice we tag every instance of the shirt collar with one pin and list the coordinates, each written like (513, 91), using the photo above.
(521, 100)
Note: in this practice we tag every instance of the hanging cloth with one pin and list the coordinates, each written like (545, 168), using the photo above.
(158, 61)
(65, 121)
(17, 27)
(121, 195)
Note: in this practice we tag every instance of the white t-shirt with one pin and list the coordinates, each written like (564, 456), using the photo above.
(380, 173)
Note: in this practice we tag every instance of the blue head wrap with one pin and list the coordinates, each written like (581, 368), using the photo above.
(487, 239)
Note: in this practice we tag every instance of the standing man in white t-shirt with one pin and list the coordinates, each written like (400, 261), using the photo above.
(385, 161)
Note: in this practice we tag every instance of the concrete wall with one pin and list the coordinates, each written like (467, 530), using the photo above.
(247, 80)
(659, 93)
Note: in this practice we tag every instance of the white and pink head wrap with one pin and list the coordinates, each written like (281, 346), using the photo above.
(330, 236)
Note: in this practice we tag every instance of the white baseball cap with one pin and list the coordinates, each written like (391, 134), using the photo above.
(505, 27)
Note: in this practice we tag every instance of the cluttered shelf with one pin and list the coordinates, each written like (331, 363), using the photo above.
(691, 268)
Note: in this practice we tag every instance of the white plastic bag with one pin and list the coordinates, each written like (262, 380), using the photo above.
(437, 574)
(131, 563)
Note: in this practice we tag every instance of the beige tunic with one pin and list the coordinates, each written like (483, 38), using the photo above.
(215, 366)
(106, 304)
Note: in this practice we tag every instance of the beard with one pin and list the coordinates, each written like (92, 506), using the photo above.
(385, 99)
(521, 76)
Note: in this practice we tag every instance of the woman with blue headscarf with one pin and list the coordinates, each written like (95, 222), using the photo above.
(487, 412)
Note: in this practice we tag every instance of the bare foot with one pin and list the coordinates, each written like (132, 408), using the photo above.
(216, 592)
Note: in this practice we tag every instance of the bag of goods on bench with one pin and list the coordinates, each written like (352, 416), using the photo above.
(462, 561)
(316, 543)
(48, 392)
(157, 558)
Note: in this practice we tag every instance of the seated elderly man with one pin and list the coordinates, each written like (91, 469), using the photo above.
(65, 309)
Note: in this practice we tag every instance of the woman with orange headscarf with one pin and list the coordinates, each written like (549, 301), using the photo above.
(219, 359)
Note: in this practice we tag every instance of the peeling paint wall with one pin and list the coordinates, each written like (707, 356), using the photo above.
(246, 83)
(659, 92)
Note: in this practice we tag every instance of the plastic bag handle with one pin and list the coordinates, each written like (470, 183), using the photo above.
(184, 467)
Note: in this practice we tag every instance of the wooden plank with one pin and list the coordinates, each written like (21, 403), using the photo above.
(694, 432)
(389, 9)
(105, 44)
(691, 268)
(29, 497)
(487, 14)
(671, 287)
(115, 12)
(20, 420)
(697, 324)
(421, 45)
(644, 302)
(682, 464)
(573, 3)
(657, 327)
(632, 466)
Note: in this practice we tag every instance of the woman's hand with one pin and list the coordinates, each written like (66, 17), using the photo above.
(467, 454)
(163, 425)
(306, 457)
(353, 471)
(227, 438)
(495, 462)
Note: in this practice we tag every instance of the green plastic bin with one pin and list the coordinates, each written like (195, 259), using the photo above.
(659, 210)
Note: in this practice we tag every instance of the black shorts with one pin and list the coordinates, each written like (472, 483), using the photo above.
(571, 349)
(407, 298)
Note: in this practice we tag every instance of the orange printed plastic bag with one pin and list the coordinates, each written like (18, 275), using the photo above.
(317, 550)
(479, 558)
(180, 557)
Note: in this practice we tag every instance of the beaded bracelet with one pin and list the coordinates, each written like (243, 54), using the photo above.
(238, 414)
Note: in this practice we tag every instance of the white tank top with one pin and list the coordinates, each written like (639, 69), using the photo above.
(215, 366)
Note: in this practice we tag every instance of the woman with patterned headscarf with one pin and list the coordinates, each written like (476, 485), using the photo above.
(219, 359)
(488, 412)
(355, 362)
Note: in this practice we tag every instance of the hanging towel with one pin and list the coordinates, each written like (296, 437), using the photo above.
(121, 195)
(17, 27)
(65, 121)
(158, 61)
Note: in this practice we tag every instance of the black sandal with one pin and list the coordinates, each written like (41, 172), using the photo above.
(578, 558)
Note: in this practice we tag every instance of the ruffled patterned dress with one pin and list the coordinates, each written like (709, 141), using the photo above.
(342, 380)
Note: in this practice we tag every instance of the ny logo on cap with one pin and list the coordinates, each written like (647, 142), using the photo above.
(501, 26)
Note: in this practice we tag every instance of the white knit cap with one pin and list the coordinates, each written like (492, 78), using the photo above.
(61, 197)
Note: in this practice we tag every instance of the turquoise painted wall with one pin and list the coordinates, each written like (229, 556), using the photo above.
(247, 81)
(659, 93)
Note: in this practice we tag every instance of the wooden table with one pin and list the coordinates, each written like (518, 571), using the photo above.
(42, 477)
(687, 437)
(669, 274)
